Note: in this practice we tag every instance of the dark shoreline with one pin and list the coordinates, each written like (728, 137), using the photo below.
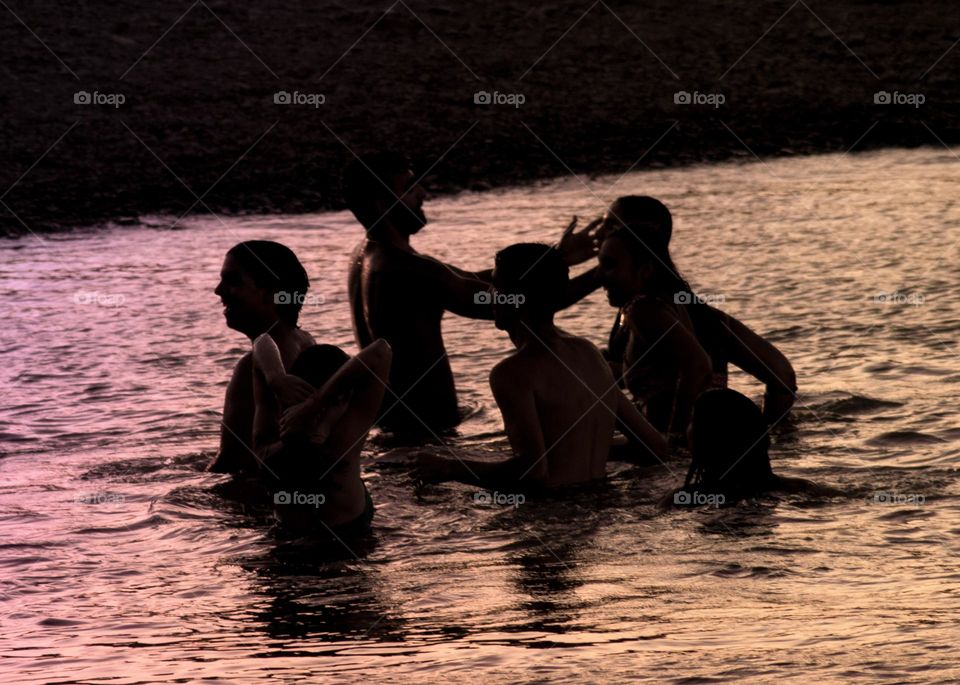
(199, 117)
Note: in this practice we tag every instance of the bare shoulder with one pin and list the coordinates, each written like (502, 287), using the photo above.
(509, 374)
(243, 371)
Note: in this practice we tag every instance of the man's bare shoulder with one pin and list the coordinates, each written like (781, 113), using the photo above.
(243, 370)
(510, 374)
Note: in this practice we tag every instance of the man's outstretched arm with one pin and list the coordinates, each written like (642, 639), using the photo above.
(528, 463)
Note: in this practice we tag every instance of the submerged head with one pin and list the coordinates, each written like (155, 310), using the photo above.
(381, 190)
(261, 282)
(730, 442)
(317, 364)
(531, 281)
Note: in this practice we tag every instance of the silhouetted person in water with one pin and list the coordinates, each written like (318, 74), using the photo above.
(261, 286)
(558, 397)
(401, 295)
(310, 449)
(730, 443)
(668, 344)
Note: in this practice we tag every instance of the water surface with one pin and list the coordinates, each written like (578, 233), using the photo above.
(120, 563)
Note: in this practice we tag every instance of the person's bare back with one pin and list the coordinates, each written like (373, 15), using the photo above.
(559, 400)
(575, 399)
(393, 295)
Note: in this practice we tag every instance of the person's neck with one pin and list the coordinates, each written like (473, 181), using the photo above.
(386, 233)
(279, 331)
(535, 334)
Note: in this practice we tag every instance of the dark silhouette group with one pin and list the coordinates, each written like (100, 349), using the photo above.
(297, 414)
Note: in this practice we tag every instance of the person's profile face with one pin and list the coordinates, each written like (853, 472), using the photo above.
(618, 272)
(407, 214)
(502, 317)
(612, 220)
(245, 304)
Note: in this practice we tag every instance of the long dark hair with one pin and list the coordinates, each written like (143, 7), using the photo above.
(731, 443)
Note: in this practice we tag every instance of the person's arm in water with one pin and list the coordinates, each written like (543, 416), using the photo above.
(361, 382)
(681, 347)
(762, 360)
(526, 465)
(235, 454)
(644, 440)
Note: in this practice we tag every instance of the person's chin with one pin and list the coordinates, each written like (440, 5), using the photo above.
(614, 299)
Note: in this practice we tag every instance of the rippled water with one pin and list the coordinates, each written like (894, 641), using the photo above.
(120, 562)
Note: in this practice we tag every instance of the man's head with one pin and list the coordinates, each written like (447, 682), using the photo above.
(381, 191)
(261, 282)
(729, 440)
(531, 280)
(318, 363)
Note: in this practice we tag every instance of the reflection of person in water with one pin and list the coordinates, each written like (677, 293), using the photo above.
(637, 267)
(558, 397)
(730, 443)
(313, 447)
(401, 295)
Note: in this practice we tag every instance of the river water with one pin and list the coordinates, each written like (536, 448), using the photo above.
(121, 563)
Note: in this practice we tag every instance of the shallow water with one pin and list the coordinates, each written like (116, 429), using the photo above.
(120, 562)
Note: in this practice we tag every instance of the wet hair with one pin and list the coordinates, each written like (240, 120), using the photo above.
(368, 179)
(645, 229)
(731, 443)
(275, 267)
(647, 216)
(536, 271)
(317, 364)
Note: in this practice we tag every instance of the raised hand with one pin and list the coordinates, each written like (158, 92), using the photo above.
(580, 246)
